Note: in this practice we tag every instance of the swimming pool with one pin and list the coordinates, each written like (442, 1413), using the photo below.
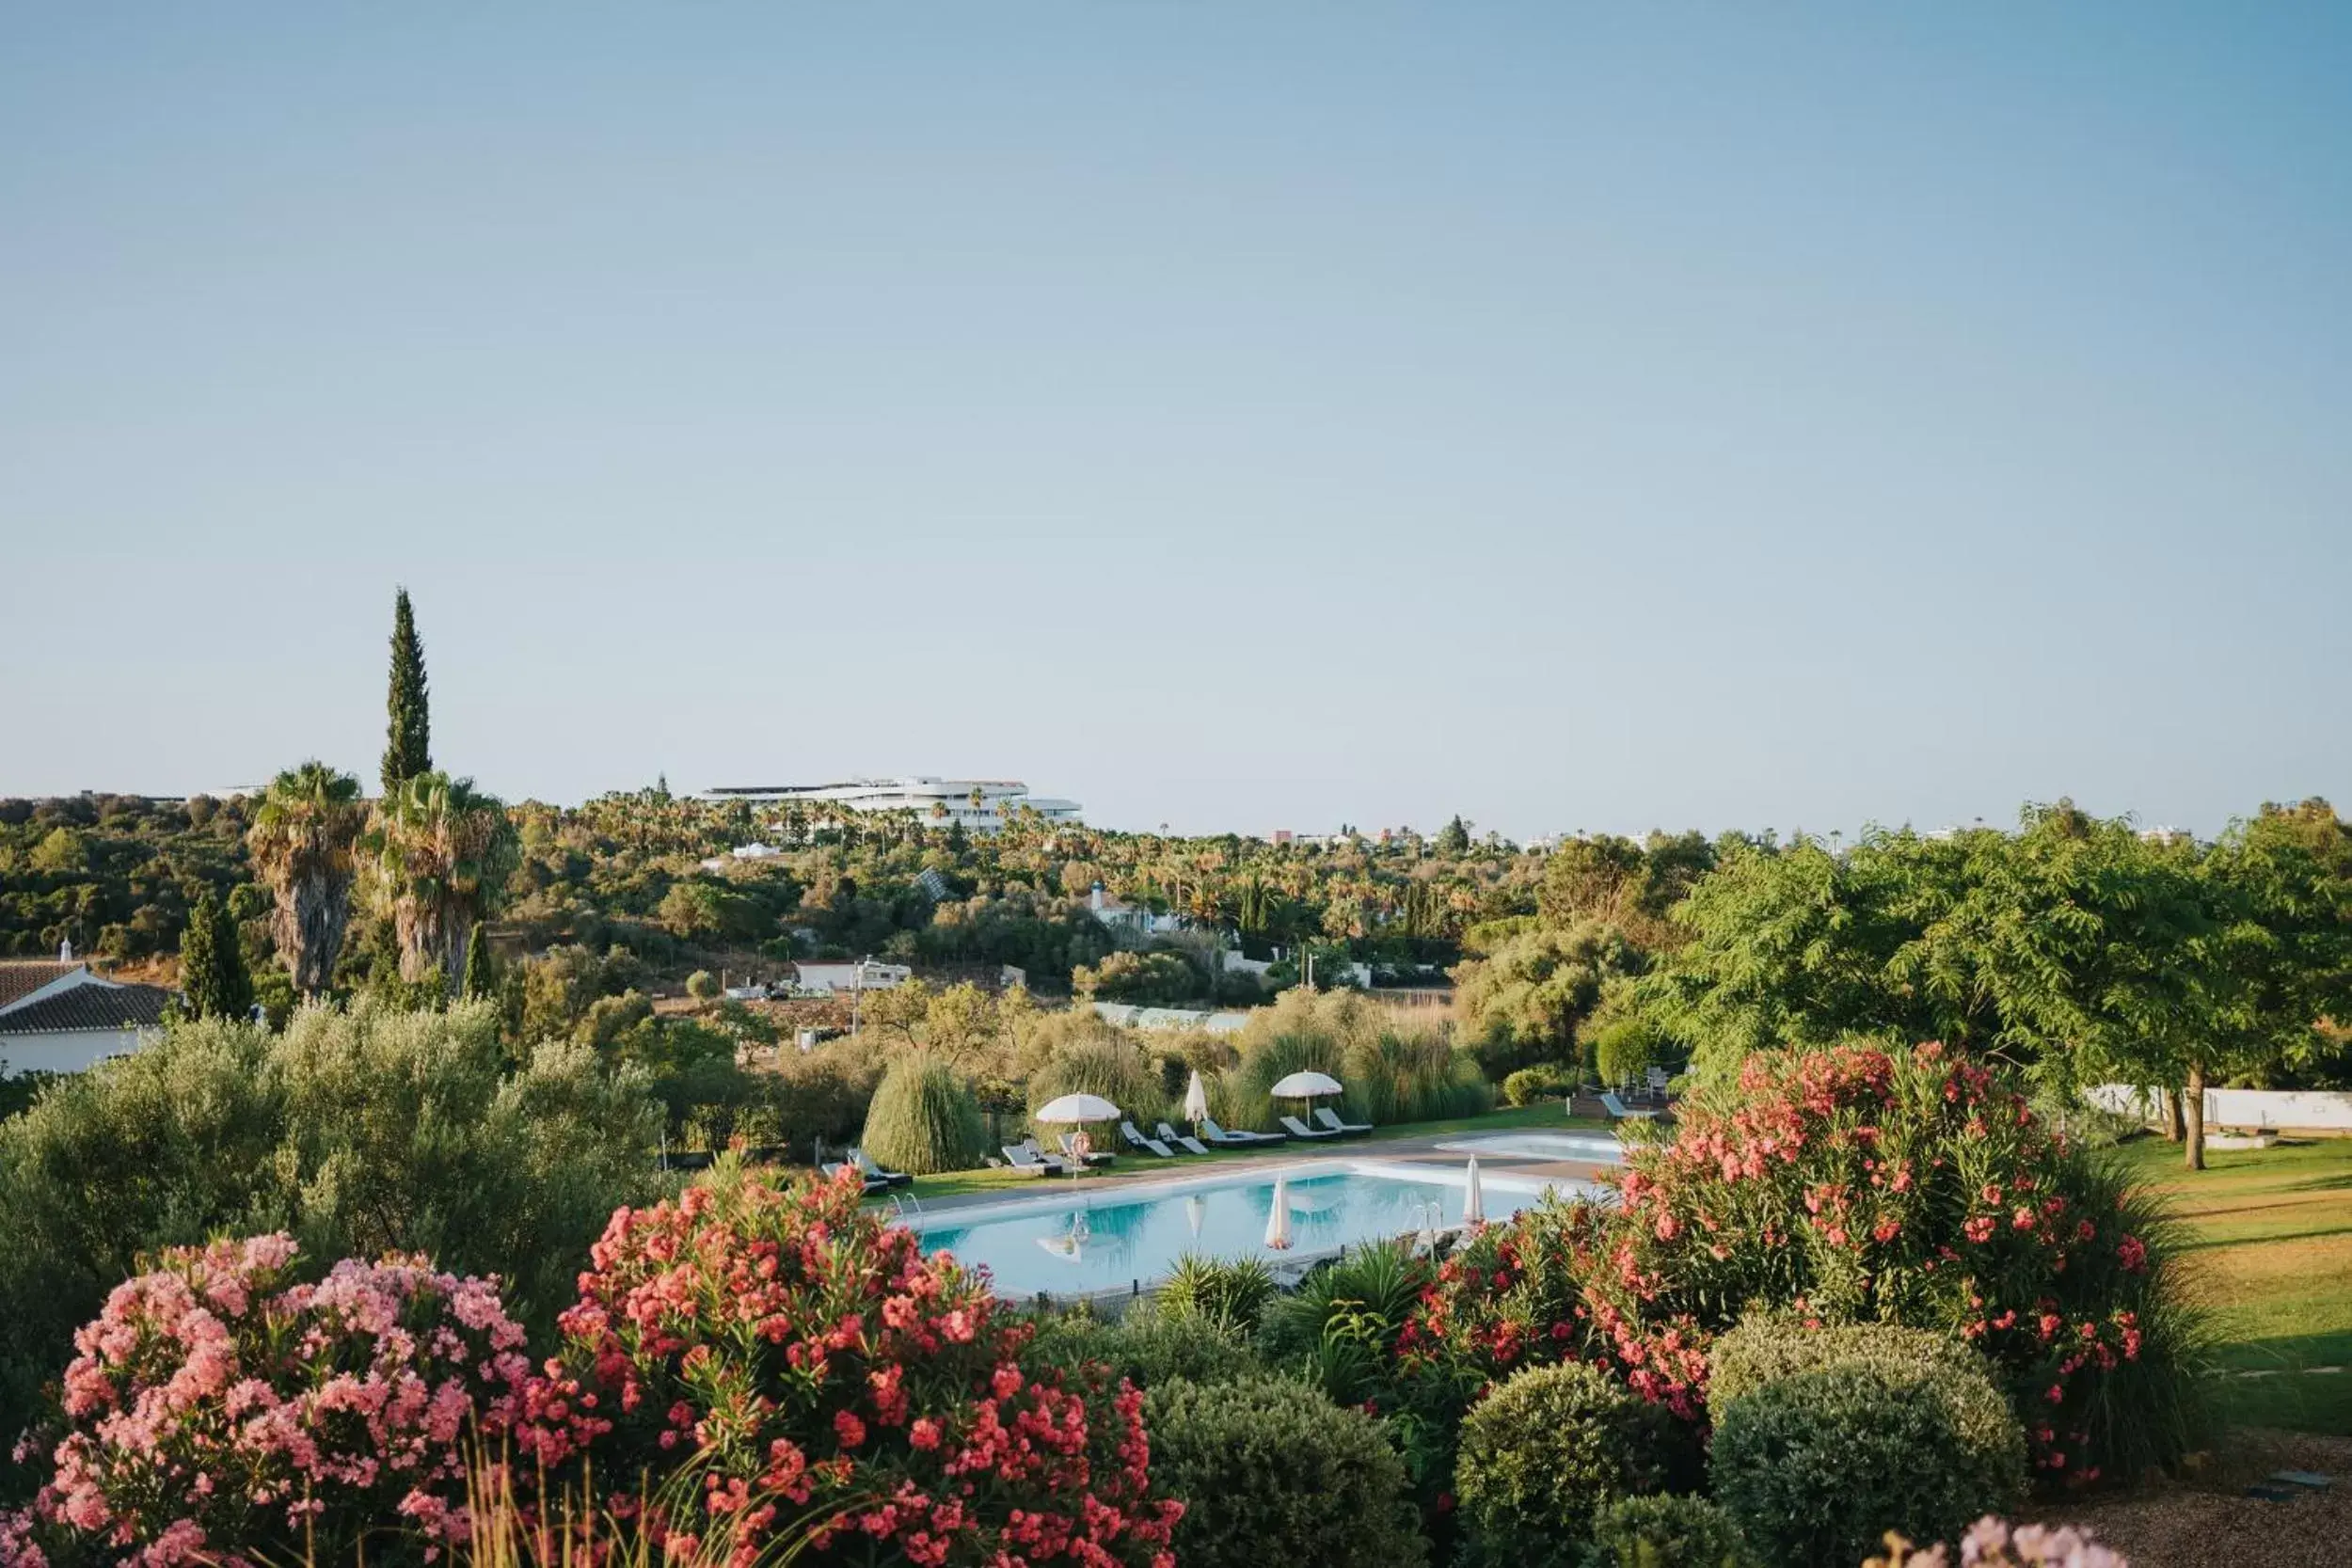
(1102, 1241)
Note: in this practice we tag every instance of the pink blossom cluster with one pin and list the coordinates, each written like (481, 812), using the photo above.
(218, 1407)
(837, 1393)
(1994, 1542)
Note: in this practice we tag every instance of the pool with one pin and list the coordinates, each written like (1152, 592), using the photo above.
(1594, 1148)
(1092, 1241)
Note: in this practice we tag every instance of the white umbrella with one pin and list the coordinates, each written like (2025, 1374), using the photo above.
(1473, 1202)
(1306, 1086)
(1196, 1209)
(1278, 1226)
(1077, 1107)
(1197, 1099)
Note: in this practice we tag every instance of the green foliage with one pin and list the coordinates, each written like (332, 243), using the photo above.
(1623, 1048)
(1341, 1325)
(1453, 838)
(1546, 1450)
(1818, 1465)
(63, 853)
(702, 985)
(1147, 1348)
(360, 1131)
(302, 843)
(1532, 1083)
(1164, 978)
(1666, 1532)
(1522, 1003)
(213, 977)
(408, 730)
(482, 978)
(442, 853)
(923, 1118)
(1278, 1475)
(1390, 1071)
(1768, 1347)
(1230, 1293)
(1111, 1065)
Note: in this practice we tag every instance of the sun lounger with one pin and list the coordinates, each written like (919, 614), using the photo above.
(1185, 1141)
(1127, 1131)
(1093, 1157)
(1329, 1121)
(1215, 1134)
(832, 1170)
(1618, 1111)
(1300, 1130)
(873, 1172)
(1027, 1158)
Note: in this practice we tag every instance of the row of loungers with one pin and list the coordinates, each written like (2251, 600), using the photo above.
(875, 1179)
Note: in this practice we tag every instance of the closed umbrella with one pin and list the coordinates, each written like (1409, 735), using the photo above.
(1196, 1209)
(1278, 1225)
(1473, 1202)
(1195, 1099)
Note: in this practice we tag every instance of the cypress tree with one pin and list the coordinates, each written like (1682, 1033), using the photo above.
(408, 737)
(481, 977)
(213, 975)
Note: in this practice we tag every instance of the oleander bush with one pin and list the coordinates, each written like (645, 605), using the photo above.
(1665, 1532)
(924, 1120)
(221, 1406)
(1280, 1475)
(1546, 1448)
(1992, 1543)
(1231, 1291)
(838, 1397)
(1819, 1463)
(1146, 1347)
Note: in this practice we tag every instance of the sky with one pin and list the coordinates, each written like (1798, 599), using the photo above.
(1228, 416)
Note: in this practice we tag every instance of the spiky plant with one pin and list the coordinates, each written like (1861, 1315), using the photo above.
(442, 851)
(302, 841)
(923, 1119)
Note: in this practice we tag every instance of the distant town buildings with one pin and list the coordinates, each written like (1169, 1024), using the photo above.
(977, 805)
(838, 976)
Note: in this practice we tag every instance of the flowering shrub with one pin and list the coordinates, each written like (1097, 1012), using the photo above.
(1990, 1543)
(1860, 1184)
(810, 1382)
(220, 1408)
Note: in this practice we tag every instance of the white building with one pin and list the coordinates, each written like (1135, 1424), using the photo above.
(55, 1016)
(836, 976)
(980, 806)
(1131, 917)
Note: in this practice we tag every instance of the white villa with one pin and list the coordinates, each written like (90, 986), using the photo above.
(55, 1016)
(978, 805)
(834, 976)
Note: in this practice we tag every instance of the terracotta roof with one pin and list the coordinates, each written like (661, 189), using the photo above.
(109, 1007)
(20, 977)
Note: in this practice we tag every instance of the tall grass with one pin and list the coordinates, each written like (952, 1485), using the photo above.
(923, 1119)
(1115, 1067)
(1391, 1070)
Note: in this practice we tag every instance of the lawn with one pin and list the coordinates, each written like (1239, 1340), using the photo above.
(1133, 1164)
(2270, 1239)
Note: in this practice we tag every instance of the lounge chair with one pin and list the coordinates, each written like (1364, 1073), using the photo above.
(1215, 1134)
(1300, 1130)
(1127, 1131)
(1092, 1157)
(1185, 1141)
(1618, 1111)
(832, 1170)
(873, 1172)
(1658, 1082)
(1027, 1158)
(1330, 1120)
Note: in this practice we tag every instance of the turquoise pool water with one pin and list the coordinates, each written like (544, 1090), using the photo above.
(1106, 1244)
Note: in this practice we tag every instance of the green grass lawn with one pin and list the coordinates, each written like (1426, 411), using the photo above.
(1133, 1164)
(2270, 1239)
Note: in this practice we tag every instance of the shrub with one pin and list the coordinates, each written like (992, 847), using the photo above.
(842, 1397)
(1232, 1292)
(1110, 1066)
(923, 1118)
(1546, 1448)
(219, 1407)
(1664, 1533)
(1818, 1465)
(1912, 1187)
(702, 985)
(1532, 1083)
(1146, 1347)
(1281, 1474)
(1992, 1544)
(1767, 1347)
(1343, 1321)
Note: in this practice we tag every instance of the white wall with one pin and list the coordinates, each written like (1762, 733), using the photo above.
(2329, 1109)
(63, 1050)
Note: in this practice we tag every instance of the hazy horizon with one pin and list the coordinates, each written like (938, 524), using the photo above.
(1573, 418)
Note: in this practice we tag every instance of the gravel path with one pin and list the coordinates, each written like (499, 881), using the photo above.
(2209, 1522)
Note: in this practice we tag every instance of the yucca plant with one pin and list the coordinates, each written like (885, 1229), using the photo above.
(923, 1119)
(1232, 1293)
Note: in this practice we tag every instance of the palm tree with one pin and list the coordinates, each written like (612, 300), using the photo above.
(301, 840)
(443, 851)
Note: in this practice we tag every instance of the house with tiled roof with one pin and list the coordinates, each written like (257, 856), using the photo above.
(56, 1016)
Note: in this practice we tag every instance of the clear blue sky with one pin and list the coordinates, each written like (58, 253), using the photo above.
(1236, 416)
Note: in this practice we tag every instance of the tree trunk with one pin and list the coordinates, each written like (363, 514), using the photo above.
(2195, 1094)
(2173, 1129)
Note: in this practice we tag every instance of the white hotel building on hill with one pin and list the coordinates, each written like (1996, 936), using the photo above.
(981, 805)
